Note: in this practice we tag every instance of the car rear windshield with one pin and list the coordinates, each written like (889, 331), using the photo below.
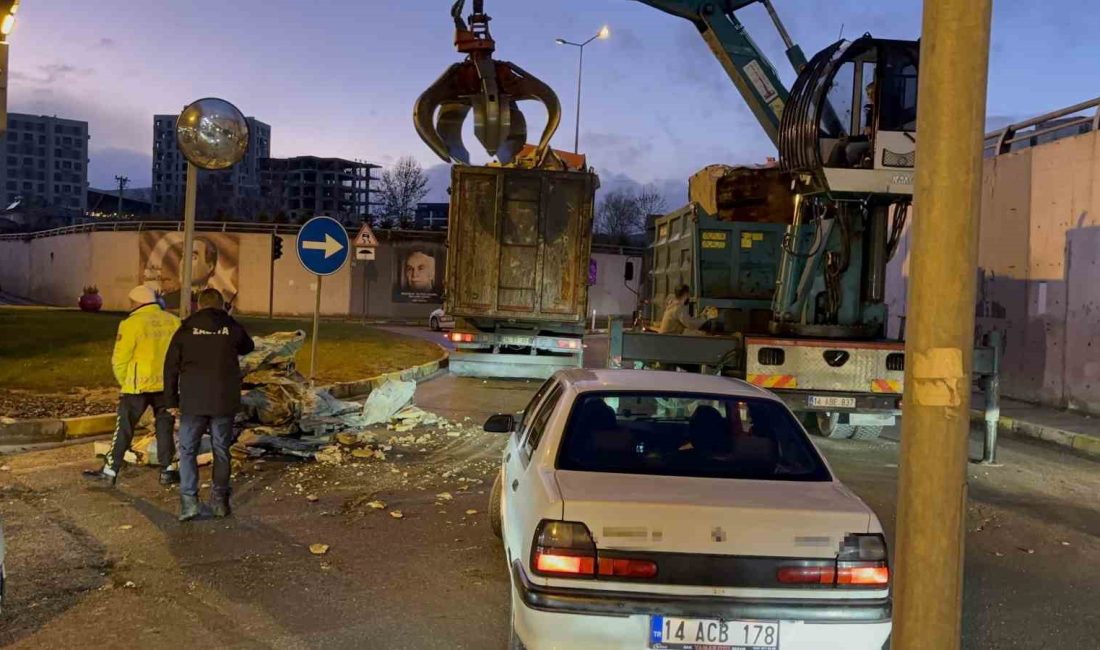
(698, 435)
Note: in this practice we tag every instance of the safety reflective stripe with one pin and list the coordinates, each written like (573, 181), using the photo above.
(773, 381)
(109, 460)
(885, 386)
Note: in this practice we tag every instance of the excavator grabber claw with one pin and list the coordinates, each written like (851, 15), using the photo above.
(491, 88)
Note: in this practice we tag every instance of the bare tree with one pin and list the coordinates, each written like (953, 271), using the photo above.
(622, 212)
(618, 215)
(650, 202)
(403, 186)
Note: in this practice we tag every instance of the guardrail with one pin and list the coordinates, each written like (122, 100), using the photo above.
(200, 226)
(1029, 131)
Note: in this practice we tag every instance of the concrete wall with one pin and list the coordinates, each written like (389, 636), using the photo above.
(1039, 262)
(55, 270)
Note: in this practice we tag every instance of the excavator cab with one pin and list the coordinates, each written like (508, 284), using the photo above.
(849, 128)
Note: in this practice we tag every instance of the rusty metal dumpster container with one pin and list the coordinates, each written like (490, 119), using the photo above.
(519, 245)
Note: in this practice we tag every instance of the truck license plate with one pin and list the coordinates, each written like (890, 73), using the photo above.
(832, 402)
(672, 633)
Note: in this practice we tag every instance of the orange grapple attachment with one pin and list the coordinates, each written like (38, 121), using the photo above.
(491, 88)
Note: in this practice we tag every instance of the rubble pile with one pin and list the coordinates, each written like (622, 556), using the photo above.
(282, 414)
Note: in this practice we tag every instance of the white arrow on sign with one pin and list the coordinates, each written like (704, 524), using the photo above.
(330, 246)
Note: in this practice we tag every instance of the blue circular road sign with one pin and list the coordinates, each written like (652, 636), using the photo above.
(323, 246)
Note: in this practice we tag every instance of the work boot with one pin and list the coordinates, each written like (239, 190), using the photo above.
(169, 477)
(102, 475)
(219, 505)
(189, 507)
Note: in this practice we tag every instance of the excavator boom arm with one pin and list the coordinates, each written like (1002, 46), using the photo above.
(747, 66)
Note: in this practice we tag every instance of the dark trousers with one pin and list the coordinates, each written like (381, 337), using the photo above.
(130, 410)
(192, 429)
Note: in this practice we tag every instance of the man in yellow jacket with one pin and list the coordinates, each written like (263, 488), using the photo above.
(138, 362)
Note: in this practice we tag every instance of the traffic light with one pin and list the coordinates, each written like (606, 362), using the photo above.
(276, 247)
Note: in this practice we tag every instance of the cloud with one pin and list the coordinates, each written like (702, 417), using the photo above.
(51, 74)
(616, 150)
(105, 43)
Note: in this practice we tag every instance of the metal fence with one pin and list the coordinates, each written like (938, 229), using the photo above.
(1064, 123)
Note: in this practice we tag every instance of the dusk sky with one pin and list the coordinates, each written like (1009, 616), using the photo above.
(339, 77)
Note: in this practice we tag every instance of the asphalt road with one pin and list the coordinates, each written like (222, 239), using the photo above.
(91, 567)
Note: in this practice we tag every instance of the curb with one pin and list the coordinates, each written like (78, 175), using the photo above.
(1079, 442)
(418, 374)
(21, 432)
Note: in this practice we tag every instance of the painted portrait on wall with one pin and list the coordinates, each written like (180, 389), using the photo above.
(418, 275)
(214, 264)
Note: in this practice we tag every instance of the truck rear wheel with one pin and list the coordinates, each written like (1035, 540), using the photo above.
(829, 426)
(867, 433)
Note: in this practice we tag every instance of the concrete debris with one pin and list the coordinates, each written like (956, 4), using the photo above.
(377, 505)
(444, 496)
(312, 498)
(397, 514)
(384, 402)
(318, 549)
(331, 455)
(471, 511)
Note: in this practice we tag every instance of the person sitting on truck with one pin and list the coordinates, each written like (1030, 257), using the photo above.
(677, 316)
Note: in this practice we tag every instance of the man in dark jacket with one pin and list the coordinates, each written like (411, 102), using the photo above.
(202, 378)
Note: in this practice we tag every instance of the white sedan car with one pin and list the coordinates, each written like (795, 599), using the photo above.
(643, 509)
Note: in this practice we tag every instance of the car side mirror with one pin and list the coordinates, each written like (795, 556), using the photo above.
(500, 423)
(628, 273)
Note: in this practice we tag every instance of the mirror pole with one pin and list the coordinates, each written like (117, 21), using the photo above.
(187, 251)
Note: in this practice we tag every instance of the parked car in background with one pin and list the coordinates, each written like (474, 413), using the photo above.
(643, 509)
(439, 321)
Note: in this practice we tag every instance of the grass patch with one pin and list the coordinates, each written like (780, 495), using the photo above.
(59, 350)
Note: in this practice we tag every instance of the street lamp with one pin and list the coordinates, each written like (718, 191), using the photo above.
(604, 33)
(8, 8)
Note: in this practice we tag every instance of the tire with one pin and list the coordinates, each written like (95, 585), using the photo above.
(495, 516)
(867, 433)
(828, 426)
(434, 324)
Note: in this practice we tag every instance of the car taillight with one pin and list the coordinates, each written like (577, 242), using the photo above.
(861, 562)
(565, 548)
(569, 344)
(459, 337)
(806, 575)
(618, 567)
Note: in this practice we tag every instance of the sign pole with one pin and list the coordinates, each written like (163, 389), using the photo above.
(271, 282)
(316, 325)
(188, 238)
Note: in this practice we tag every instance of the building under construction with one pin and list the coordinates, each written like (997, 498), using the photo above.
(308, 186)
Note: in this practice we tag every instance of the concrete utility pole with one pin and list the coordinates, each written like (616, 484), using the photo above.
(940, 331)
(122, 182)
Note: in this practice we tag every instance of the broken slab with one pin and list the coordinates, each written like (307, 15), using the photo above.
(385, 401)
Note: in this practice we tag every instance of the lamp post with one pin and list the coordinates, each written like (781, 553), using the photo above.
(604, 33)
(8, 9)
(212, 134)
